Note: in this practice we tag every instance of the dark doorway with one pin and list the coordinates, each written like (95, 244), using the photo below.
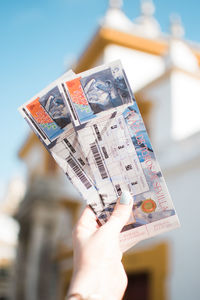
(138, 287)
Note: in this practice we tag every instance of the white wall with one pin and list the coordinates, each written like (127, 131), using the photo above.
(160, 118)
(140, 67)
(186, 104)
(183, 184)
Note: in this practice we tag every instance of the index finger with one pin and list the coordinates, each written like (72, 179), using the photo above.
(88, 218)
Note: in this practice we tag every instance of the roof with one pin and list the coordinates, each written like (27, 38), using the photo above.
(105, 36)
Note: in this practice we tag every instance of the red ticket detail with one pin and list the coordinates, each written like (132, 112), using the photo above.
(76, 91)
(38, 112)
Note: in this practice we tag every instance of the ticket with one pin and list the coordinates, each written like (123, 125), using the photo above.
(115, 141)
(48, 116)
(91, 125)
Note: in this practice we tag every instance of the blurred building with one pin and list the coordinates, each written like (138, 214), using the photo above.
(164, 73)
(8, 236)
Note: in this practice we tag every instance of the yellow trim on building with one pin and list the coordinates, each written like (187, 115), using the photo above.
(197, 54)
(154, 261)
(127, 40)
(30, 141)
(105, 36)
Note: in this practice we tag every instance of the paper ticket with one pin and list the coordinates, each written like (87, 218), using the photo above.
(114, 140)
(49, 117)
(91, 125)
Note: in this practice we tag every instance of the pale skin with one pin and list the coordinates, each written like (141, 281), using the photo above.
(98, 269)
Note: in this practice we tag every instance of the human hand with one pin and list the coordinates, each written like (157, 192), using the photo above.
(98, 269)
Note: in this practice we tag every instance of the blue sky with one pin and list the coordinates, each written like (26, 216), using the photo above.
(39, 38)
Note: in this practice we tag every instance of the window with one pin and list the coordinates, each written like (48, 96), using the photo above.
(138, 287)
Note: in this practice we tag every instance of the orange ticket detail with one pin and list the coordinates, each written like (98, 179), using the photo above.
(38, 112)
(76, 91)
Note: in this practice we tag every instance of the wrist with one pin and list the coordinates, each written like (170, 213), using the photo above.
(77, 296)
(83, 284)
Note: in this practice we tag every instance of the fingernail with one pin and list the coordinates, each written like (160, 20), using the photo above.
(125, 198)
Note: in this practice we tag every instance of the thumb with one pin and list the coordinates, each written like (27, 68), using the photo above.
(121, 213)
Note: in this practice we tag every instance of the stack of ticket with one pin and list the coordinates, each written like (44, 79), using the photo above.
(91, 125)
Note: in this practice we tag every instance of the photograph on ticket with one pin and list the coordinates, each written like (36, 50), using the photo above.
(98, 90)
(47, 112)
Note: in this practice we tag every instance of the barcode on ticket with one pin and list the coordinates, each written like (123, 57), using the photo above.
(71, 148)
(98, 160)
(79, 173)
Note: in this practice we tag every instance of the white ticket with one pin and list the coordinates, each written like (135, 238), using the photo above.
(91, 125)
(49, 117)
(114, 140)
